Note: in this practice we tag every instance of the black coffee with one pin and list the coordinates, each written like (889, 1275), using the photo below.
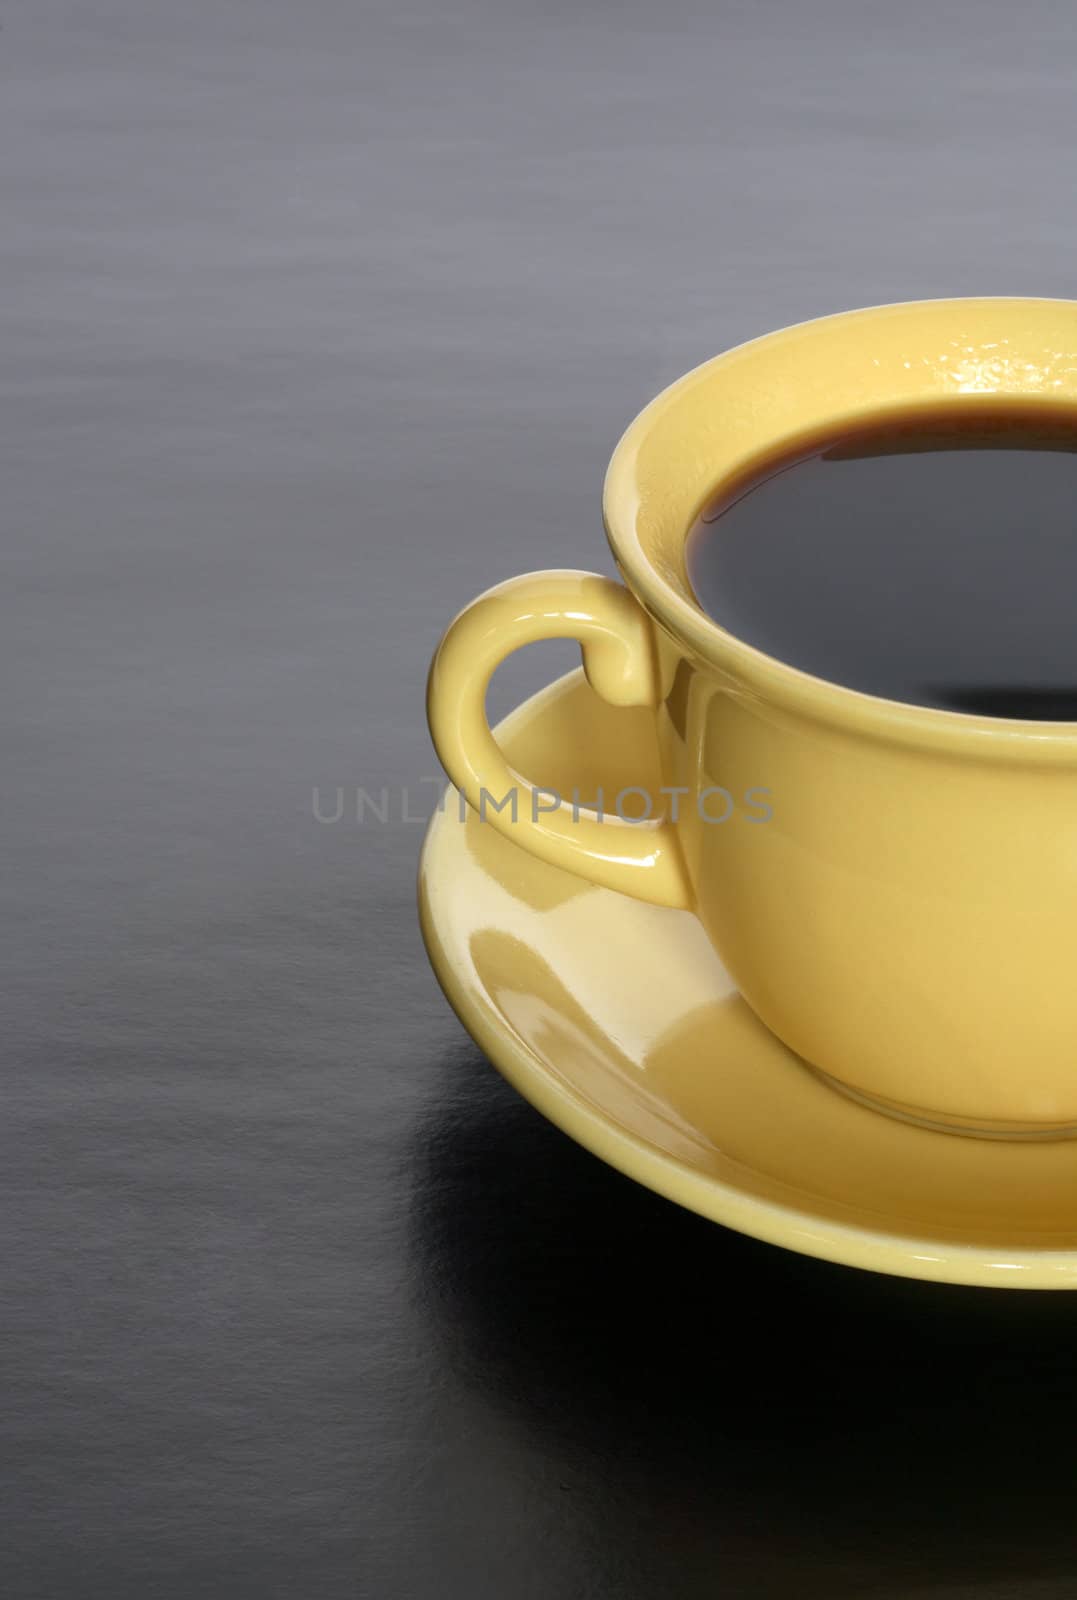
(931, 559)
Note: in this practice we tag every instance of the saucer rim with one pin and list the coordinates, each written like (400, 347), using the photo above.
(872, 1250)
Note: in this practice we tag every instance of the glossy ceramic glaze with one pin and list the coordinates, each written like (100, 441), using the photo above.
(906, 917)
(618, 1021)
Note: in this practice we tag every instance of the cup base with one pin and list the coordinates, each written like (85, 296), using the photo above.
(939, 1122)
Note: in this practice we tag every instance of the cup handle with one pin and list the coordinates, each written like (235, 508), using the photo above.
(642, 859)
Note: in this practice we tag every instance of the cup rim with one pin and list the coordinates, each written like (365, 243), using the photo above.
(1049, 381)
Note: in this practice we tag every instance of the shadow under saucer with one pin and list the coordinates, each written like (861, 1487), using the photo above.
(732, 1409)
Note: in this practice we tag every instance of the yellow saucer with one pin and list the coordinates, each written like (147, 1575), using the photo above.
(619, 1023)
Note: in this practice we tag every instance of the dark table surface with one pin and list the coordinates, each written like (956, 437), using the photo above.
(316, 320)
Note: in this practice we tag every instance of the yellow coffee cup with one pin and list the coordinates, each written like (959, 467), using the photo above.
(906, 920)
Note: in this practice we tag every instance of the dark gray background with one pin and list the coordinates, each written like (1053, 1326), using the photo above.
(316, 319)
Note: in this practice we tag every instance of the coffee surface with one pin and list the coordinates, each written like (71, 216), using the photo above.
(931, 559)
